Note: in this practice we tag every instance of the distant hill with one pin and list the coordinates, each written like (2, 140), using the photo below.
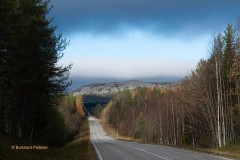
(114, 87)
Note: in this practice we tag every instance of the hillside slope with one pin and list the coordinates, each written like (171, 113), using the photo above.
(111, 88)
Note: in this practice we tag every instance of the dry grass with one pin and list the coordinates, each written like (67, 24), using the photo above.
(112, 132)
(79, 149)
(232, 151)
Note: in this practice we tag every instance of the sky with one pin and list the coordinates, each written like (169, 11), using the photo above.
(150, 40)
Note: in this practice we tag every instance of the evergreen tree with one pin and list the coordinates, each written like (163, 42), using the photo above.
(34, 81)
(8, 27)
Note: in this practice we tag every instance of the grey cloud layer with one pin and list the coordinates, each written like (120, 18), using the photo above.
(165, 16)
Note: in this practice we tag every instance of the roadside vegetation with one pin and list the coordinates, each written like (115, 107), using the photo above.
(79, 149)
(34, 105)
(202, 112)
(32, 83)
(232, 151)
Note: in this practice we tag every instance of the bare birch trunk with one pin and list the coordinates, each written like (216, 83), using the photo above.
(174, 129)
(218, 105)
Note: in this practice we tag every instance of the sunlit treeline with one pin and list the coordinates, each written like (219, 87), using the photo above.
(204, 110)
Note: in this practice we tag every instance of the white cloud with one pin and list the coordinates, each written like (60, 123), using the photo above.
(110, 67)
(137, 54)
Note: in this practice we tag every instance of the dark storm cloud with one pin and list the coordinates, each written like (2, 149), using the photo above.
(164, 16)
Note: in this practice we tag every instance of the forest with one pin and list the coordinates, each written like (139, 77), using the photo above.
(204, 110)
(34, 104)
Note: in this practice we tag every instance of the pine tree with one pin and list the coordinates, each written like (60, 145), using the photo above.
(8, 17)
(30, 50)
(230, 47)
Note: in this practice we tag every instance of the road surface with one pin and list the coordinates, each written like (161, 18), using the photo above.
(108, 148)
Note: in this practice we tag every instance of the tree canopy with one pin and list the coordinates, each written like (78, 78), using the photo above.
(31, 81)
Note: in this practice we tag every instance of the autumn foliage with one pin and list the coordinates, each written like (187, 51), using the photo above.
(72, 109)
(204, 110)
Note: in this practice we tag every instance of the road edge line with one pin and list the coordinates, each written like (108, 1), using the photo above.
(96, 150)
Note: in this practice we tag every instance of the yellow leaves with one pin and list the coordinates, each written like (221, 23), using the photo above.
(79, 105)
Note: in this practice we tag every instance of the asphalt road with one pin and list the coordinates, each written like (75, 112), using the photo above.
(111, 149)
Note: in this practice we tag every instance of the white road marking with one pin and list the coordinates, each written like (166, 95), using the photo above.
(144, 150)
(98, 153)
(99, 134)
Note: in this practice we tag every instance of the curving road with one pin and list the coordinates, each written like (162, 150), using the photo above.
(108, 148)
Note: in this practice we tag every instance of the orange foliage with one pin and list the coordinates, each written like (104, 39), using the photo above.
(79, 105)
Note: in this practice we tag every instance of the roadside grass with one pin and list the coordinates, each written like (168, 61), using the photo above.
(112, 132)
(79, 149)
(231, 151)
